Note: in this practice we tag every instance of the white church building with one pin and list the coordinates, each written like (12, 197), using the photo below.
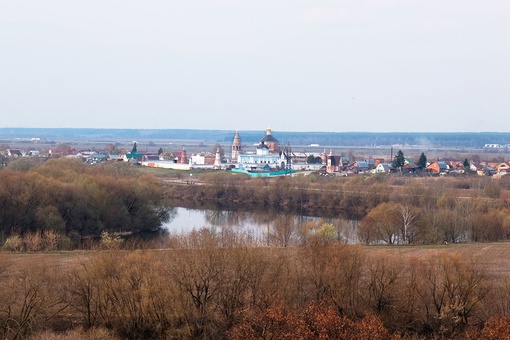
(266, 155)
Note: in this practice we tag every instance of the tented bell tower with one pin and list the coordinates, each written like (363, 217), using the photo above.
(236, 147)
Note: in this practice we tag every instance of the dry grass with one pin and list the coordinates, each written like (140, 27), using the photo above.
(63, 259)
(495, 257)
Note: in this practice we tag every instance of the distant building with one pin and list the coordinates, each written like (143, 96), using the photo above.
(184, 157)
(14, 153)
(383, 168)
(438, 167)
(334, 163)
(267, 153)
(236, 147)
(217, 159)
(269, 140)
(203, 158)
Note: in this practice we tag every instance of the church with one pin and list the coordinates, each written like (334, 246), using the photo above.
(266, 156)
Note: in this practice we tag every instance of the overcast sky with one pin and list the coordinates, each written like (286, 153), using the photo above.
(294, 65)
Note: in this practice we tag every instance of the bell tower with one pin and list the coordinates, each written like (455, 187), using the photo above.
(217, 159)
(324, 157)
(184, 158)
(330, 167)
(236, 147)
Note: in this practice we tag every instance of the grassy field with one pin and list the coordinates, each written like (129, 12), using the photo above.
(495, 257)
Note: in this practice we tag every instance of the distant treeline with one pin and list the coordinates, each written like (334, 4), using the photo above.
(429, 139)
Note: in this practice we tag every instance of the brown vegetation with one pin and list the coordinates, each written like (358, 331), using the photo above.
(318, 291)
(62, 203)
(218, 286)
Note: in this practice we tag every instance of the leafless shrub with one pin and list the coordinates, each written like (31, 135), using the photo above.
(333, 273)
(14, 243)
(110, 241)
(31, 297)
(382, 283)
(33, 241)
(50, 240)
(451, 290)
(126, 292)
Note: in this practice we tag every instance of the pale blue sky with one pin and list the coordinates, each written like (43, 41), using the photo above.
(300, 65)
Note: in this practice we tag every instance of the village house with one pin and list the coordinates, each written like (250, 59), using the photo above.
(503, 168)
(359, 166)
(383, 168)
(203, 158)
(150, 157)
(14, 153)
(437, 167)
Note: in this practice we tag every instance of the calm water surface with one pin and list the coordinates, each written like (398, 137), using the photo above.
(283, 227)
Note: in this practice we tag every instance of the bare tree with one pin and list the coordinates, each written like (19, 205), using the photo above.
(284, 231)
(407, 224)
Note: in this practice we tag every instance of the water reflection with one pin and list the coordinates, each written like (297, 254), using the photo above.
(264, 228)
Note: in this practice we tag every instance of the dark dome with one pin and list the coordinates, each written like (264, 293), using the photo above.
(269, 138)
(262, 146)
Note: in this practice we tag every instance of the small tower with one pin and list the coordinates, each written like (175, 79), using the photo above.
(330, 168)
(184, 158)
(324, 157)
(236, 147)
(217, 160)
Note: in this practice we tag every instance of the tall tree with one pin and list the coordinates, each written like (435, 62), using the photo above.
(381, 224)
(422, 162)
(112, 149)
(467, 166)
(398, 161)
(407, 224)
(311, 159)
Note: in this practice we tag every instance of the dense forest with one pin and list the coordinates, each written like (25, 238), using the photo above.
(78, 202)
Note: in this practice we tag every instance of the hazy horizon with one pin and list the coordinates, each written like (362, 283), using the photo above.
(296, 66)
(254, 130)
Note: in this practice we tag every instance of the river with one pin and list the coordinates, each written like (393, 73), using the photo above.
(264, 228)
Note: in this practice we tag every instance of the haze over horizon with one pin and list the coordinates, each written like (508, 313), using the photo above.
(375, 66)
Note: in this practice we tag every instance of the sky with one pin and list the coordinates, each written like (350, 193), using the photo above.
(293, 65)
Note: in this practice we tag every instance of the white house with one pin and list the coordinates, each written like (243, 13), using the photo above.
(382, 168)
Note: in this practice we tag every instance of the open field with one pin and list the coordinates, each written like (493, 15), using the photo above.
(494, 257)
